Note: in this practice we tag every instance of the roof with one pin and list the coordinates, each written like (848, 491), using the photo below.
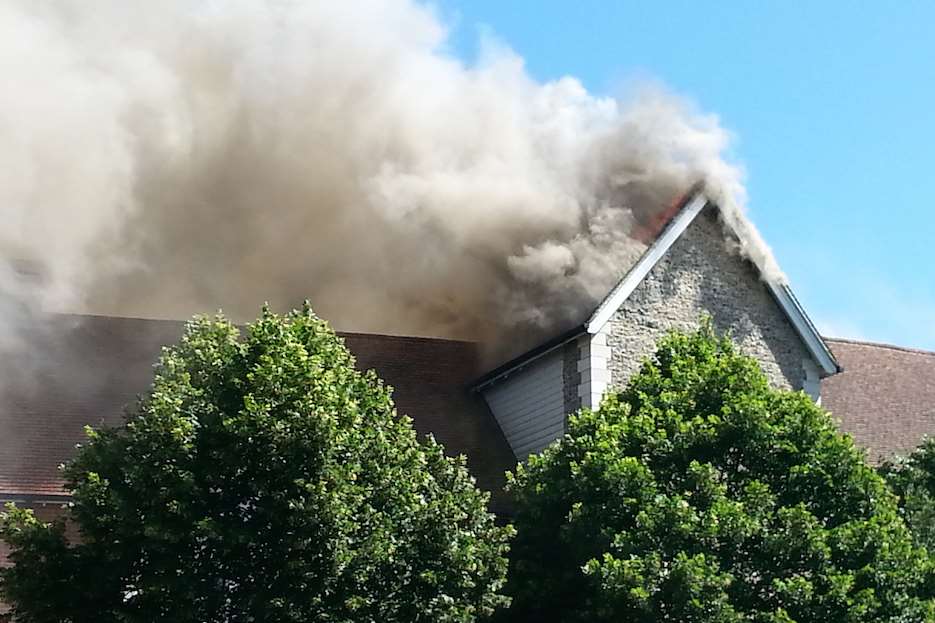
(885, 397)
(87, 369)
(665, 232)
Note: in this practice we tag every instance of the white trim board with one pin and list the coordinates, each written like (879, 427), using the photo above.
(635, 276)
(804, 327)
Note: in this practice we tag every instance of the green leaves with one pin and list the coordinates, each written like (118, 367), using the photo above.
(700, 494)
(262, 479)
(913, 479)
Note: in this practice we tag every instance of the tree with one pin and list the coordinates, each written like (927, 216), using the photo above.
(261, 479)
(698, 493)
(912, 478)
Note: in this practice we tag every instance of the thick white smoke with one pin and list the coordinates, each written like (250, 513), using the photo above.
(164, 158)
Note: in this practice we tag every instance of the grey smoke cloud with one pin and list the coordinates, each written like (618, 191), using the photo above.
(165, 158)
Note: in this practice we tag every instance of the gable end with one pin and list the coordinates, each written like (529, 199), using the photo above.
(701, 274)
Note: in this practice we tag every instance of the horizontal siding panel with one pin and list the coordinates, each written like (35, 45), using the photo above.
(544, 437)
(518, 410)
(532, 401)
(538, 444)
(531, 420)
(509, 393)
(522, 410)
(530, 405)
(553, 430)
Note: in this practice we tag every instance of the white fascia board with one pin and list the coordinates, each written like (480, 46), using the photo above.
(635, 276)
(804, 327)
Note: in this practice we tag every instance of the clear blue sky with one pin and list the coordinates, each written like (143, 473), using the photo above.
(833, 108)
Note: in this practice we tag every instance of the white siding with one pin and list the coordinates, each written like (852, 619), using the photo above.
(530, 405)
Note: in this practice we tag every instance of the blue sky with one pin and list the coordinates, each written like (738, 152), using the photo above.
(833, 110)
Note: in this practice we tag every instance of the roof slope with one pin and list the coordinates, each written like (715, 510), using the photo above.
(885, 397)
(87, 369)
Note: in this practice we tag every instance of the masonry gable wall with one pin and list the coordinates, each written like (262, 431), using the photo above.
(701, 273)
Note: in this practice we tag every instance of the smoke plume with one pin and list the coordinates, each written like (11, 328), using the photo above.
(159, 159)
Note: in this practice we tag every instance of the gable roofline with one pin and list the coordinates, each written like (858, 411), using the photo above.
(695, 201)
(634, 277)
(781, 292)
(885, 345)
(805, 328)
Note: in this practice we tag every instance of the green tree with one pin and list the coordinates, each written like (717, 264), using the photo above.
(261, 479)
(912, 478)
(698, 493)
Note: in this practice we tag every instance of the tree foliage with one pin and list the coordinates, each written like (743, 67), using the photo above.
(261, 479)
(698, 493)
(912, 478)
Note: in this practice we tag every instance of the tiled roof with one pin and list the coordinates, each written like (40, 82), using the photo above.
(87, 369)
(885, 397)
(431, 379)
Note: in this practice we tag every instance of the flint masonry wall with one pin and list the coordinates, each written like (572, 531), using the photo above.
(700, 273)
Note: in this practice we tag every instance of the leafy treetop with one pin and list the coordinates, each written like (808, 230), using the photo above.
(912, 478)
(700, 494)
(262, 478)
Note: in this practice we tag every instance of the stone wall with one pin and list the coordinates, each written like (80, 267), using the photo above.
(701, 273)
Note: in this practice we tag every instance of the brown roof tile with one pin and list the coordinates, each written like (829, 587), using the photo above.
(885, 397)
(87, 369)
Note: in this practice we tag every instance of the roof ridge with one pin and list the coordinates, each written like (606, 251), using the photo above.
(95, 316)
(905, 349)
(80, 316)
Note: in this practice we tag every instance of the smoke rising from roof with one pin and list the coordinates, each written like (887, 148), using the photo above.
(165, 158)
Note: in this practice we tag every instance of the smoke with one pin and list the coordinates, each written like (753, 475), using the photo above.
(159, 159)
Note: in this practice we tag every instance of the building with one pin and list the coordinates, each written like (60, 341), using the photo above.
(690, 269)
(884, 396)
